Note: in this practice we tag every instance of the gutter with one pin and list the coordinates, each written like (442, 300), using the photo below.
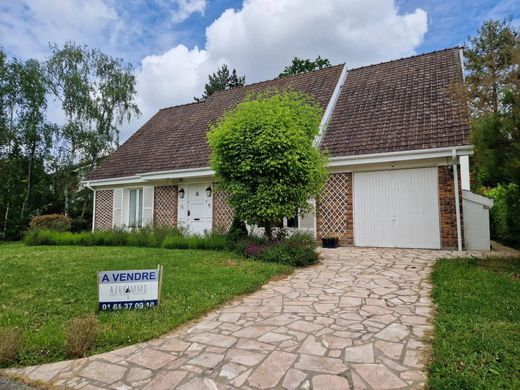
(87, 184)
(457, 201)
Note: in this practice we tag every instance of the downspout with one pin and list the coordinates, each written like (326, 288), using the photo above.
(457, 201)
(93, 206)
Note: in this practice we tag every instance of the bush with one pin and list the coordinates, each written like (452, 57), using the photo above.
(9, 345)
(237, 231)
(79, 224)
(209, 242)
(505, 214)
(80, 336)
(297, 250)
(55, 222)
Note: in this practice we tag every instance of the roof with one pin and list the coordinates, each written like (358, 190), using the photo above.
(406, 104)
(400, 105)
(175, 137)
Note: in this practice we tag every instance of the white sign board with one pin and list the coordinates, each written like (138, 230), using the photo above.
(129, 289)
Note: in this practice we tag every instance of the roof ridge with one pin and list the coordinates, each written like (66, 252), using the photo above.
(409, 57)
(294, 76)
(182, 105)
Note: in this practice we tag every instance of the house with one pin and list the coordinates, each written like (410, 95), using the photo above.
(396, 133)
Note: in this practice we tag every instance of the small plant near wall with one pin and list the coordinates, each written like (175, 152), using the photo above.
(330, 240)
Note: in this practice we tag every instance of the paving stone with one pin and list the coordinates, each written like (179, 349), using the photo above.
(392, 350)
(293, 379)
(393, 332)
(137, 374)
(305, 326)
(245, 357)
(378, 376)
(253, 331)
(272, 337)
(328, 382)
(213, 339)
(231, 370)
(174, 345)
(151, 358)
(272, 370)
(311, 347)
(320, 364)
(207, 359)
(103, 372)
(199, 384)
(360, 354)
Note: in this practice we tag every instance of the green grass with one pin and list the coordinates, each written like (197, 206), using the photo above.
(477, 328)
(41, 288)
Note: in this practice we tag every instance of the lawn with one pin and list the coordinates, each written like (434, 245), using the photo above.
(477, 328)
(41, 288)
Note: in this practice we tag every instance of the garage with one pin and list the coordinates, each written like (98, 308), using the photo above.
(397, 208)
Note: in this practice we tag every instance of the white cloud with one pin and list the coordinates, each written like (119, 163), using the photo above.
(261, 39)
(186, 8)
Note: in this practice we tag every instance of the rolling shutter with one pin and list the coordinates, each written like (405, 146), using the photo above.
(117, 209)
(148, 192)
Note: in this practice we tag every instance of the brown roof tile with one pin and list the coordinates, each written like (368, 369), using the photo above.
(175, 137)
(400, 105)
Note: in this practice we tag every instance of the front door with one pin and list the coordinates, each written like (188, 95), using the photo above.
(195, 209)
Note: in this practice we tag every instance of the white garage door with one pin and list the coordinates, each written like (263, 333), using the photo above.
(397, 208)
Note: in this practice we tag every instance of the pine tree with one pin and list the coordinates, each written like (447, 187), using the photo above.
(221, 81)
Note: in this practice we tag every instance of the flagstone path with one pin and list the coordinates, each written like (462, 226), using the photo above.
(358, 320)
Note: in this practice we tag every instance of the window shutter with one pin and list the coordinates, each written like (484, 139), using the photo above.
(307, 220)
(117, 209)
(148, 205)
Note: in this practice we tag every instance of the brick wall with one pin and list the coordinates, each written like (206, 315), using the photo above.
(334, 209)
(448, 216)
(222, 212)
(165, 206)
(104, 204)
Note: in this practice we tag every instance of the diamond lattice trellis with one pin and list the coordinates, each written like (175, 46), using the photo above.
(165, 206)
(104, 203)
(222, 213)
(335, 208)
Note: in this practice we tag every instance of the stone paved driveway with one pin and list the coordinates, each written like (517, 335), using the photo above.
(360, 320)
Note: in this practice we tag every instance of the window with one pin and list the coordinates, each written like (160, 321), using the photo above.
(135, 214)
(292, 222)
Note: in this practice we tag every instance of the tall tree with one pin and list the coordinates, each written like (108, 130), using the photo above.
(299, 65)
(492, 63)
(220, 81)
(97, 95)
(264, 153)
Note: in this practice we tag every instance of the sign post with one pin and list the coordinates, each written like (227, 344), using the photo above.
(129, 289)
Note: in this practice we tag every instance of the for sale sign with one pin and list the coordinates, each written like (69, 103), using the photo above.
(129, 289)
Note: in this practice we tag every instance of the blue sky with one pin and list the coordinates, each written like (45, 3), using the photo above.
(175, 44)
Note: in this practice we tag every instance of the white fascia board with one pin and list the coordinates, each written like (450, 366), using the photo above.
(179, 174)
(408, 155)
(332, 104)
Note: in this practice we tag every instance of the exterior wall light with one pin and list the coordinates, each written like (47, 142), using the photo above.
(208, 192)
(181, 193)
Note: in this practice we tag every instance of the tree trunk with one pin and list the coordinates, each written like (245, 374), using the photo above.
(29, 180)
(268, 231)
(5, 219)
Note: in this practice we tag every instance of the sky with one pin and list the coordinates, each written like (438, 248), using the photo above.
(174, 44)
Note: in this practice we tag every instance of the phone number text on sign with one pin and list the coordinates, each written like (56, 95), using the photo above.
(132, 289)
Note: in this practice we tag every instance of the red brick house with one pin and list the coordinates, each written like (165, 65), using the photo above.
(396, 134)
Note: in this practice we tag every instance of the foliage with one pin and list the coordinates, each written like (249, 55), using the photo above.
(476, 344)
(493, 64)
(237, 230)
(207, 242)
(43, 288)
(505, 214)
(299, 65)
(79, 224)
(80, 336)
(55, 222)
(9, 345)
(42, 162)
(264, 153)
(297, 250)
(221, 81)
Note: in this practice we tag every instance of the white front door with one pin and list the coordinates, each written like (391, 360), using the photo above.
(195, 211)
(398, 208)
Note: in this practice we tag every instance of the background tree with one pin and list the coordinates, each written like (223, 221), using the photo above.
(97, 95)
(305, 65)
(220, 81)
(492, 62)
(264, 152)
